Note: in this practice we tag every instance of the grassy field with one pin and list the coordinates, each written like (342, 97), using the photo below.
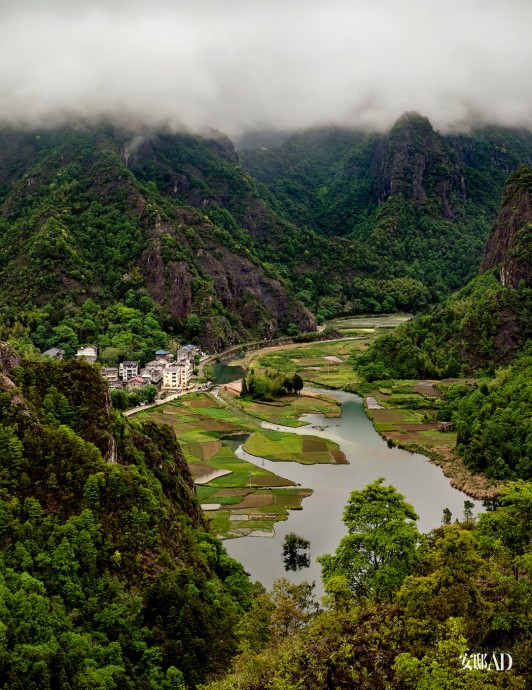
(408, 418)
(250, 498)
(307, 450)
(409, 413)
(368, 324)
(289, 409)
(329, 365)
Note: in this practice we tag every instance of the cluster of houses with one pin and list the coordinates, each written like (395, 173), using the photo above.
(167, 371)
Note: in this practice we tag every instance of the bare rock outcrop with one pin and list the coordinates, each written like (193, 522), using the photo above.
(509, 246)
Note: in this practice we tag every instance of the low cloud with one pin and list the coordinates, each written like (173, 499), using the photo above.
(238, 65)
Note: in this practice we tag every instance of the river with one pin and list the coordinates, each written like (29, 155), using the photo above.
(422, 483)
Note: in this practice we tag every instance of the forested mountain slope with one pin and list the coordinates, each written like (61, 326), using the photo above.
(485, 325)
(421, 201)
(129, 240)
(76, 222)
(107, 577)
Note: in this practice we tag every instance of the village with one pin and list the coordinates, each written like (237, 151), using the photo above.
(168, 372)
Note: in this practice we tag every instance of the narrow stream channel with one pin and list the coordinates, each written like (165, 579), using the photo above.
(422, 483)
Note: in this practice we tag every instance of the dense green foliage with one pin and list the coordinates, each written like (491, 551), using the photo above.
(269, 385)
(486, 324)
(379, 550)
(87, 218)
(414, 204)
(493, 422)
(468, 592)
(108, 578)
(481, 326)
(171, 227)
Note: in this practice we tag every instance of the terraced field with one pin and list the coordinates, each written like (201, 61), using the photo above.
(307, 450)
(242, 497)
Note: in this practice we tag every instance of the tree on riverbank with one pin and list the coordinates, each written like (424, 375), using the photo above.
(270, 385)
(380, 548)
(296, 552)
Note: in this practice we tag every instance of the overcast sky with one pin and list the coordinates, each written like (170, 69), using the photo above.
(238, 65)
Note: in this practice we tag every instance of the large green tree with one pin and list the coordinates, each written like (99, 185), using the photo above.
(379, 550)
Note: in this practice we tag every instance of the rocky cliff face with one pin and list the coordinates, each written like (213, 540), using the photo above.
(509, 246)
(84, 212)
(247, 301)
(415, 161)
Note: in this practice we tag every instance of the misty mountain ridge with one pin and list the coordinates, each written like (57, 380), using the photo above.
(221, 246)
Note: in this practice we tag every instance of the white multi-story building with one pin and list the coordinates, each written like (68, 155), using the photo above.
(127, 370)
(177, 376)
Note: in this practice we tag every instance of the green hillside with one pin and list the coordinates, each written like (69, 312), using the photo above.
(108, 578)
(484, 330)
(130, 240)
(420, 203)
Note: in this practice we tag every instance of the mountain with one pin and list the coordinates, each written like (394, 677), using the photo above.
(131, 240)
(108, 575)
(485, 324)
(421, 201)
(95, 212)
(484, 330)
(509, 246)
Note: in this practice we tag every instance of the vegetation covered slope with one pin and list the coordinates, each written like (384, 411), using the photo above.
(107, 577)
(419, 201)
(402, 610)
(484, 326)
(76, 223)
(128, 240)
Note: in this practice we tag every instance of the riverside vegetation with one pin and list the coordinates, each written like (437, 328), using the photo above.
(110, 578)
(246, 498)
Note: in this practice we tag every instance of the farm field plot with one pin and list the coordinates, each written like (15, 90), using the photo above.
(409, 417)
(247, 495)
(321, 364)
(289, 408)
(307, 450)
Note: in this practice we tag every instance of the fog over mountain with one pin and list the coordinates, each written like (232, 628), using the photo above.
(241, 65)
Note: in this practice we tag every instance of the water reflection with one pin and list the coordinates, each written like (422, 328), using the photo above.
(226, 373)
(422, 483)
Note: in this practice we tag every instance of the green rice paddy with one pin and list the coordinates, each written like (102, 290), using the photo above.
(248, 495)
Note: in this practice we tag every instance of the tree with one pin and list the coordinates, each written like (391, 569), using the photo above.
(148, 393)
(380, 548)
(297, 383)
(295, 556)
(120, 399)
(447, 516)
(468, 511)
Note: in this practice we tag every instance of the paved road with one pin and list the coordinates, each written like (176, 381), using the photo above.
(173, 396)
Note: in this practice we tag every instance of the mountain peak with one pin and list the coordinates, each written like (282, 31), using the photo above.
(411, 119)
(414, 161)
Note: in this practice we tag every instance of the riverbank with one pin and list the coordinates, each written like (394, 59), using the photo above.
(241, 497)
(408, 414)
(404, 413)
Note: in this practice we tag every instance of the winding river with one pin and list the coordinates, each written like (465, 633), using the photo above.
(422, 483)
